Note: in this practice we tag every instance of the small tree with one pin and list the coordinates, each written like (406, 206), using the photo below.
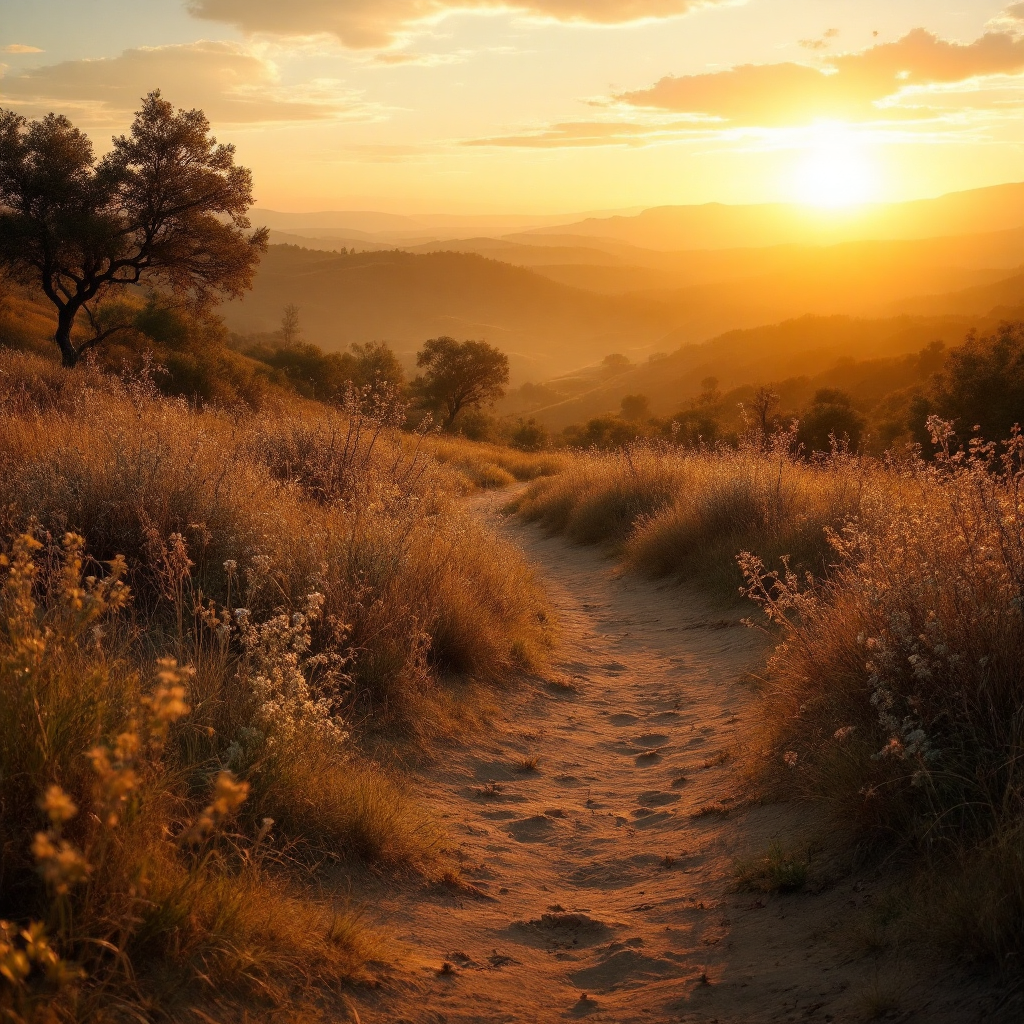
(290, 326)
(459, 375)
(166, 206)
(762, 405)
(831, 417)
(635, 407)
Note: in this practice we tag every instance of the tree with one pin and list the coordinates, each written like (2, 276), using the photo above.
(459, 375)
(290, 327)
(762, 405)
(616, 363)
(981, 387)
(165, 207)
(635, 407)
(831, 416)
(375, 364)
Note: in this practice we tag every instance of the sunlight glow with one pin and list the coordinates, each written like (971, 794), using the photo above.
(835, 172)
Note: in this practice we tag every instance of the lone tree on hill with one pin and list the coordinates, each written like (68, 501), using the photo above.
(165, 207)
(459, 375)
(291, 327)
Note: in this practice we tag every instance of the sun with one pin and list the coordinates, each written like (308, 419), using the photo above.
(835, 172)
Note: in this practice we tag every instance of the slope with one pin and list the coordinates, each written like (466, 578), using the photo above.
(405, 298)
(806, 346)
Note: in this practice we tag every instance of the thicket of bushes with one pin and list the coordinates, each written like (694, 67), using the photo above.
(895, 696)
(314, 586)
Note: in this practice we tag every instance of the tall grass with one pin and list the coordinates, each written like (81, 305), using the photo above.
(895, 697)
(211, 622)
(687, 512)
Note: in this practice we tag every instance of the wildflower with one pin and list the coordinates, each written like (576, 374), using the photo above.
(228, 796)
(167, 704)
(57, 805)
(894, 748)
(790, 757)
(59, 863)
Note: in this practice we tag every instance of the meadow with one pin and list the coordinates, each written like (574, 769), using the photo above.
(224, 636)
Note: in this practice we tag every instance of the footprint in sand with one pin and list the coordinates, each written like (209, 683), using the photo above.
(533, 829)
(624, 966)
(561, 930)
(655, 798)
(620, 720)
(650, 739)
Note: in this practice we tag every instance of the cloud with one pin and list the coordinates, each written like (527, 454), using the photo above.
(19, 48)
(857, 87)
(230, 82)
(822, 43)
(377, 23)
(575, 134)
(1013, 13)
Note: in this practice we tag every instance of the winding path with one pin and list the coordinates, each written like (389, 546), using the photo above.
(598, 826)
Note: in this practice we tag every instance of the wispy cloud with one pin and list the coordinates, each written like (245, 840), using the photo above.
(231, 82)
(574, 134)
(19, 48)
(377, 23)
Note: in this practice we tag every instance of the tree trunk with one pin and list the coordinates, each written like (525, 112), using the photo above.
(68, 355)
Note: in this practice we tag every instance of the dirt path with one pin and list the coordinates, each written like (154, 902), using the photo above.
(604, 876)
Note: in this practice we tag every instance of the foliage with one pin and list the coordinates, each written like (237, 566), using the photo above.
(831, 419)
(167, 205)
(326, 376)
(635, 407)
(317, 590)
(458, 375)
(981, 388)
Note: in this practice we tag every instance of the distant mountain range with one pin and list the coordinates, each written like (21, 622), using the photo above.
(560, 296)
(716, 226)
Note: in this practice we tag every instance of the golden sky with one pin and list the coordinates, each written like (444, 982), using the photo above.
(544, 106)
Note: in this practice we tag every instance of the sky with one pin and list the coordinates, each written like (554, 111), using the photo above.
(550, 106)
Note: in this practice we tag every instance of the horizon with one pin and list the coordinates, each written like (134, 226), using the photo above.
(626, 211)
(536, 108)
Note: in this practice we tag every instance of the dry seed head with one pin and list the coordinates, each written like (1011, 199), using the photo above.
(57, 805)
(60, 864)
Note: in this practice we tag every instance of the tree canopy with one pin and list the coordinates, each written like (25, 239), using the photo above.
(831, 416)
(981, 387)
(166, 207)
(457, 375)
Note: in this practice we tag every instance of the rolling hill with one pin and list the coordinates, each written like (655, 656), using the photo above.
(404, 298)
(806, 346)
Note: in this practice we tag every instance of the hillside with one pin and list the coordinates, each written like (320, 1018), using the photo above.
(803, 347)
(404, 298)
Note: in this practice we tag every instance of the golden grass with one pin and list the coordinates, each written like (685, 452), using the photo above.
(491, 465)
(322, 596)
(897, 591)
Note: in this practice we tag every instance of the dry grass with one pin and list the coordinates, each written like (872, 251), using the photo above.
(314, 578)
(897, 590)
(492, 465)
(685, 512)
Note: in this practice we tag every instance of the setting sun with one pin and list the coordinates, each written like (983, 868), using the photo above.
(835, 172)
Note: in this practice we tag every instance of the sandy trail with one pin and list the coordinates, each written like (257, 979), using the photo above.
(601, 882)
